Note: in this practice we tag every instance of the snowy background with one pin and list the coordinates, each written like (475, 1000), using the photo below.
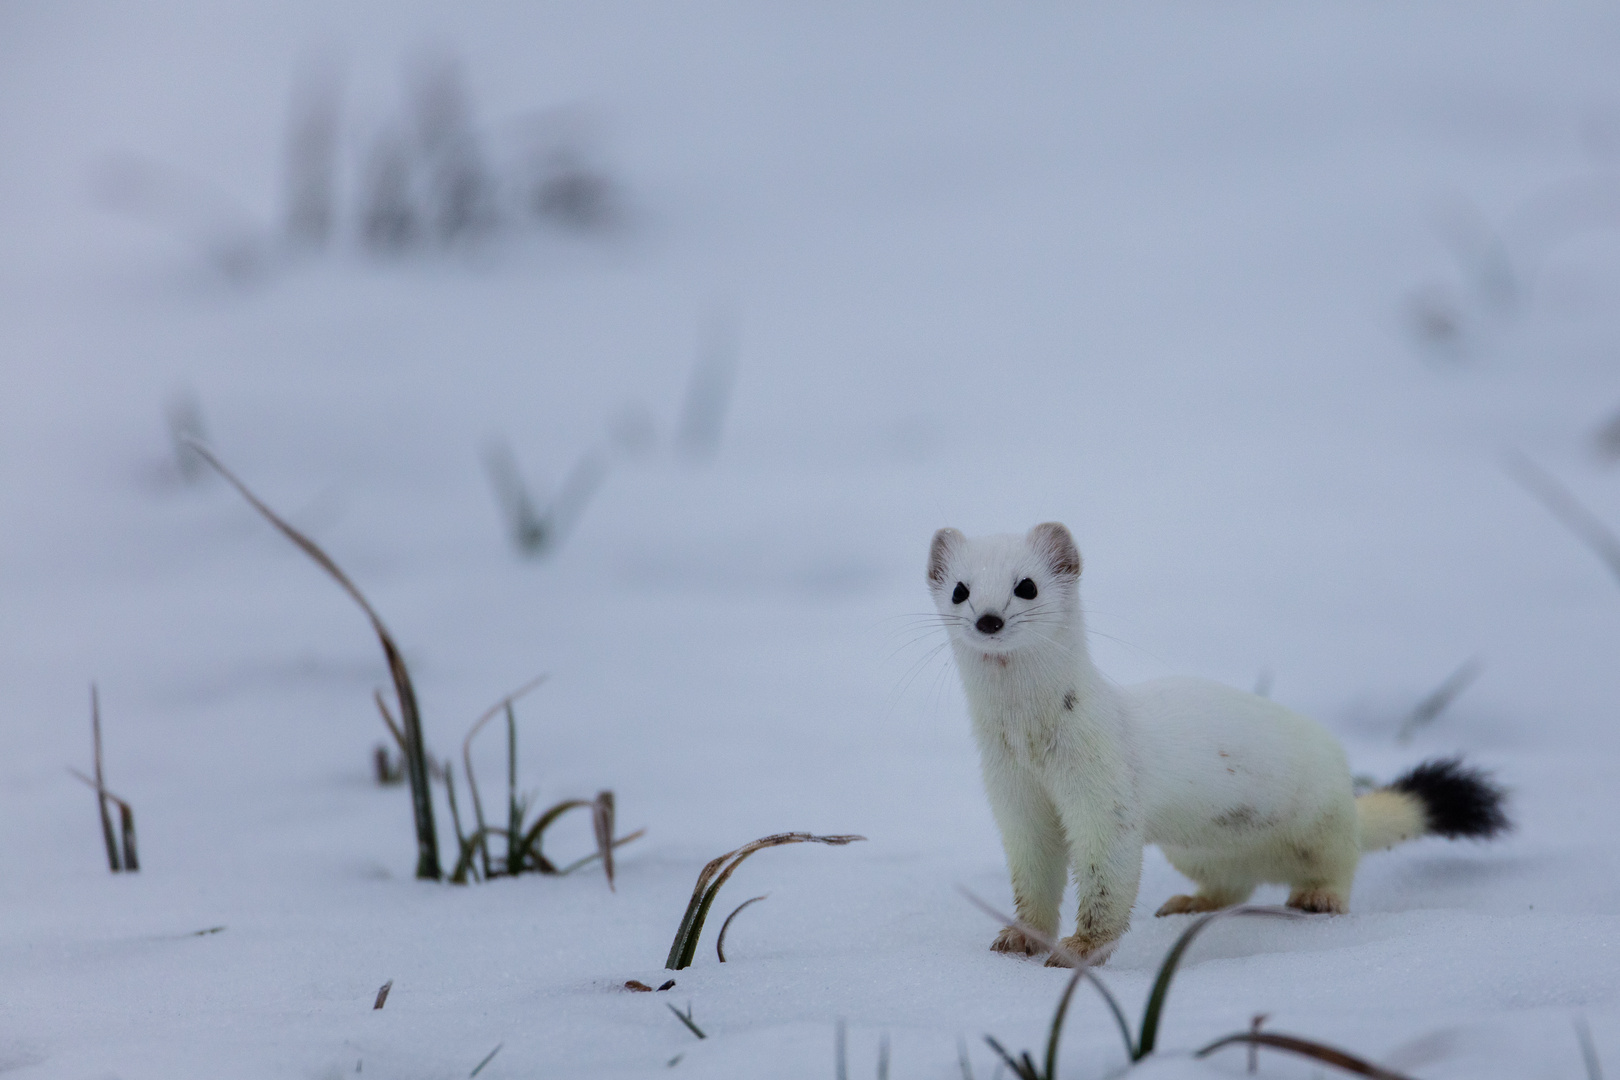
(1255, 297)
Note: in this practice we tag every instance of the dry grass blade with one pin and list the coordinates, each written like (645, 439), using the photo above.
(1589, 1054)
(586, 860)
(602, 826)
(720, 941)
(126, 818)
(962, 1059)
(1149, 1033)
(686, 1018)
(427, 863)
(1440, 698)
(489, 1057)
(382, 994)
(530, 847)
(101, 791)
(1316, 1051)
(1566, 508)
(714, 875)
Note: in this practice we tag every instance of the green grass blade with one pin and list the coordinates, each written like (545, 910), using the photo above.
(1167, 970)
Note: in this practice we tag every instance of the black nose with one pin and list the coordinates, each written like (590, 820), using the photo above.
(989, 624)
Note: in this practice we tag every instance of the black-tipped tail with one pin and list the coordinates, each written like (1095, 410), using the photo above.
(1458, 801)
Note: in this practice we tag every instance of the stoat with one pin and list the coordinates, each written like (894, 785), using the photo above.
(1234, 788)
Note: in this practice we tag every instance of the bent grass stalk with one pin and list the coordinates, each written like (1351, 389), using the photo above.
(720, 940)
(714, 875)
(1316, 1051)
(427, 843)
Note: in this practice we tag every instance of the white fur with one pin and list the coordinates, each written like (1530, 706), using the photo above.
(1234, 788)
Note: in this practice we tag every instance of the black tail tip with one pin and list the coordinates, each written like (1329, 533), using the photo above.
(1458, 800)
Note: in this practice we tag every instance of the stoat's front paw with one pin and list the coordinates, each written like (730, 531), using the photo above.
(1015, 941)
(1092, 950)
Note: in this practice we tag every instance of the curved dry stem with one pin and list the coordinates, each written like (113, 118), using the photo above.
(720, 942)
(586, 860)
(1305, 1048)
(531, 839)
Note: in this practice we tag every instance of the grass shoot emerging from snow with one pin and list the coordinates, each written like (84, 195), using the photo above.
(1143, 1042)
(119, 858)
(714, 875)
(523, 850)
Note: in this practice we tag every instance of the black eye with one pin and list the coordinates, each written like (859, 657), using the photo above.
(960, 594)
(1025, 589)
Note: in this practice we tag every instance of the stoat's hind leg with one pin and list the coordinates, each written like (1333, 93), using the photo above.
(1208, 898)
(1218, 886)
(1320, 899)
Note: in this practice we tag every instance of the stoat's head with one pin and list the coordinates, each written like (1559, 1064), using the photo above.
(999, 594)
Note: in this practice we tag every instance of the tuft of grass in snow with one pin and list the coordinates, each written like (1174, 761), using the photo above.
(123, 857)
(714, 875)
(410, 730)
(523, 850)
(1143, 1042)
(533, 530)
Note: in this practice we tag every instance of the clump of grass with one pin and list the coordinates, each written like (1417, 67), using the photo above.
(1439, 699)
(523, 841)
(1137, 1046)
(715, 874)
(121, 858)
(536, 530)
(410, 731)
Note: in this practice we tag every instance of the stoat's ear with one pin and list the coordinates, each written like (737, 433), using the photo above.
(945, 542)
(1052, 541)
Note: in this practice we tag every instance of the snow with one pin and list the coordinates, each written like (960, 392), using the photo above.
(1147, 269)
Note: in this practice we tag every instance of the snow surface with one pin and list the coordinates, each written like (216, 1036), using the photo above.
(1149, 269)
